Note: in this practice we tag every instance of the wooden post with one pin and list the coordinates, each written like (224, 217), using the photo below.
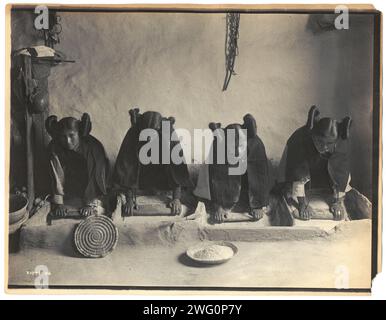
(28, 117)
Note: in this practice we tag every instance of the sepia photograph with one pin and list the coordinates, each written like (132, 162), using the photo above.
(193, 148)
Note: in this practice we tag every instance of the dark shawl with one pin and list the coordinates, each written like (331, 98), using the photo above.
(127, 167)
(93, 153)
(225, 189)
(302, 154)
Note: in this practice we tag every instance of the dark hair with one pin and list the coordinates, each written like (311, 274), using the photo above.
(83, 126)
(326, 127)
(150, 119)
(68, 123)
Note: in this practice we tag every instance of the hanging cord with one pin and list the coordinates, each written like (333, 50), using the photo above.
(231, 48)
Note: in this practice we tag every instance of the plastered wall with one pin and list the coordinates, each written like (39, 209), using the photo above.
(174, 63)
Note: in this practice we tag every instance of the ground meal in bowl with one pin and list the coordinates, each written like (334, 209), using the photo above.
(214, 252)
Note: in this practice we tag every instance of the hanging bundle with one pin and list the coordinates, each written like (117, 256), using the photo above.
(231, 48)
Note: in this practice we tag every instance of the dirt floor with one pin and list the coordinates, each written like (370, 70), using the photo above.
(314, 263)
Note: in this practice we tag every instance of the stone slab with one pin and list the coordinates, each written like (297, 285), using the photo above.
(168, 231)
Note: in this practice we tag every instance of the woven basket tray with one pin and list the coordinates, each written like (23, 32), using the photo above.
(96, 236)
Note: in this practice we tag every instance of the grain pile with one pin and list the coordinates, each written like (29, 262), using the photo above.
(214, 252)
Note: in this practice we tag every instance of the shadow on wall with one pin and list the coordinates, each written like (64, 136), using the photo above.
(344, 85)
(319, 23)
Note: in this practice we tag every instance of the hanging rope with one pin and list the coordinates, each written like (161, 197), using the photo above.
(231, 48)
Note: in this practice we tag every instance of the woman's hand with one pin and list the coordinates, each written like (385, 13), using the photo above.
(59, 210)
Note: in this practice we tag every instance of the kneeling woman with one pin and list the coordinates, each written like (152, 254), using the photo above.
(316, 155)
(78, 166)
(244, 191)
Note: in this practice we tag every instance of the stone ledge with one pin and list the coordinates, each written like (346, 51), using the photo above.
(170, 230)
